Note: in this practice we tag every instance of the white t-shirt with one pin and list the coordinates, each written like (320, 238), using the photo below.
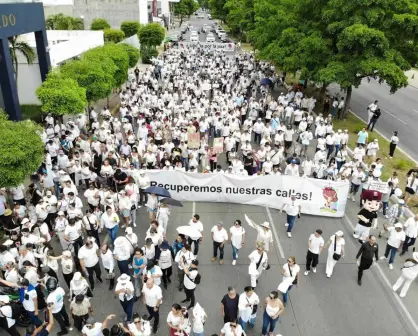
(228, 331)
(411, 227)
(338, 248)
(292, 207)
(95, 331)
(89, 255)
(189, 279)
(6, 311)
(286, 271)
(236, 236)
(57, 298)
(174, 320)
(395, 238)
(28, 303)
(316, 243)
(198, 225)
(144, 331)
(128, 285)
(152, 295)
(156, 270)
(219, 236)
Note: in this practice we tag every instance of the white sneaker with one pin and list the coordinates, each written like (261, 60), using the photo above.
(390, 266)
(386, 216)
(353, 199)
(286, 225)
(289, 235)
(395, 288)
(134, 225)
(382, 258)
(234, 262)
(314, 269)
(328, 276)
(306, 272)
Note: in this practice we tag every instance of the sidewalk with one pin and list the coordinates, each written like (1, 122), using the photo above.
(412, 77)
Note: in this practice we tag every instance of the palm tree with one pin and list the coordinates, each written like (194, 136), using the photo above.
(25, 49)
(63, 22)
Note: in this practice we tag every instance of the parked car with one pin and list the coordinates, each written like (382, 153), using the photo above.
(210, 38)
(194, 38)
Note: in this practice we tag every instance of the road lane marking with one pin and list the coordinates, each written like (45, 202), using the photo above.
(193, 208)
(415, 111)
(387, 282)
(403, 122)
(276, 236)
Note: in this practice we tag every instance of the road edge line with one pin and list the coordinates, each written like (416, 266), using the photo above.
(276, 236)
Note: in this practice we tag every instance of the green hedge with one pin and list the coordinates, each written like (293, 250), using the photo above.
(113, 35)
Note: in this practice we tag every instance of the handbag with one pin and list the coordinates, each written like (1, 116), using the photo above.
(294, 282)
(336, 256)
(254, 310)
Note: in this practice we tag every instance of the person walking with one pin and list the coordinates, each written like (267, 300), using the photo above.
(369, 252)
(409, 272)
(7, 322)
(122, 254)
(108, 262)
(89, 260)
(110, 221)
(80, 308)
(316, 244)
(165, 261)
(258, 263)
(335, 247)
(395, 242)
(247, 308)
(152, 298)
(183, 258)
(373, 120)
(411, 232)
(273, 307)
(236, 239)
(191, 280)
(56, 300)
(293, 208)
(232, 328)
(394, 140)
(125, 290)
(229, 305)
(139, 262)
(197, 224)
(219, 237)
(290, 272)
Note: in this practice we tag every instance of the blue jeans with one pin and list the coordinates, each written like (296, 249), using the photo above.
(127, 308)
(185, 162)
(385, 207)
(286, 295)
(267, 320)
(234, 252)
(392, 250)
(198, 334)
(291, 222)
(251, 323)
(113, 233)
(35, 319)
(217, 133)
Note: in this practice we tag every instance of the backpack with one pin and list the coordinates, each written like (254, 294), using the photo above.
(15, 310)
(197, 279)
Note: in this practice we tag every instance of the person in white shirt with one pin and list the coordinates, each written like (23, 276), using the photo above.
(290, 272)
(56, 300)
(110, 221)
(246, 302)
(140, 326)
(411, 233)
(372, 149)
(357, 178)
(409, 272)
(6, 312)
(89, 260)
(236, 239)
(395, 242)
(232, 329)
(292, 169)
(316, 244)
(336, 251)
(190, 282)
(152, 299)
(293, 208)
(394, 140)
(197, 224)
(219, 237)
(122, 254)
(125, 290)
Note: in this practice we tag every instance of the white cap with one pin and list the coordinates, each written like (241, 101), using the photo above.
(398, 225)
(128, 230)
(339, 233)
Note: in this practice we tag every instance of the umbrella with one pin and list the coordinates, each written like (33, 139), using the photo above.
(189, 231)
(266, 81)
(172, 202)
(159, 191)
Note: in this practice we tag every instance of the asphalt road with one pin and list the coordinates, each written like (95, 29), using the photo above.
(399, 111)
(197, 26)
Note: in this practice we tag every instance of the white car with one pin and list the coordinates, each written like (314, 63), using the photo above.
(210, 38)
(200, 16)
(194, 38)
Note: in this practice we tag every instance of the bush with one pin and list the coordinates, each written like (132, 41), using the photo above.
(147, 53)
(99, 24)
(32, 112)
(130, 28)
(133, 54)
(151, 34)
(120, 57)
(401, 164)
(113, 35)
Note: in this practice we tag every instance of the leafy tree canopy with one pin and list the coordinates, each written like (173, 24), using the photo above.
(61, 95)
(185, 8)
(130, 28)
(217, 9)
(113, 35)
(21, 150)
(96, 82)
(240, 16)
(99, 24)
(152, 34)
(64, 22)
(133, 54)
(120, 58)
(147, 53)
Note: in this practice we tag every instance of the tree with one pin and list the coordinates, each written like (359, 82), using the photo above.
(96, 82)
(113, 35)
(240, 17)
(133, 54)
(120, 58)
(99, 24)
(217, 9)
(147, 53)
(151, 34)
(340, 41)
(25, 49)
(130, 28)
(21, 150)
(63, 22)
(103, 61)
(61, 95)
(185, 8)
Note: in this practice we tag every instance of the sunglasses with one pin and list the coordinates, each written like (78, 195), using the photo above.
(290, 261)
(137, 321)
(233, 325)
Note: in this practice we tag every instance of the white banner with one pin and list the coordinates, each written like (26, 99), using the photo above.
(208, 45)
(318, 197)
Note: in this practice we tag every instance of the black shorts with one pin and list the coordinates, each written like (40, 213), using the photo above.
(410, 191)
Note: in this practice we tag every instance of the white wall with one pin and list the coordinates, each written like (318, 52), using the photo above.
(28, 80)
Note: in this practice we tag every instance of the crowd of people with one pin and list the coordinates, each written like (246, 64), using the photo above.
(94, 180)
